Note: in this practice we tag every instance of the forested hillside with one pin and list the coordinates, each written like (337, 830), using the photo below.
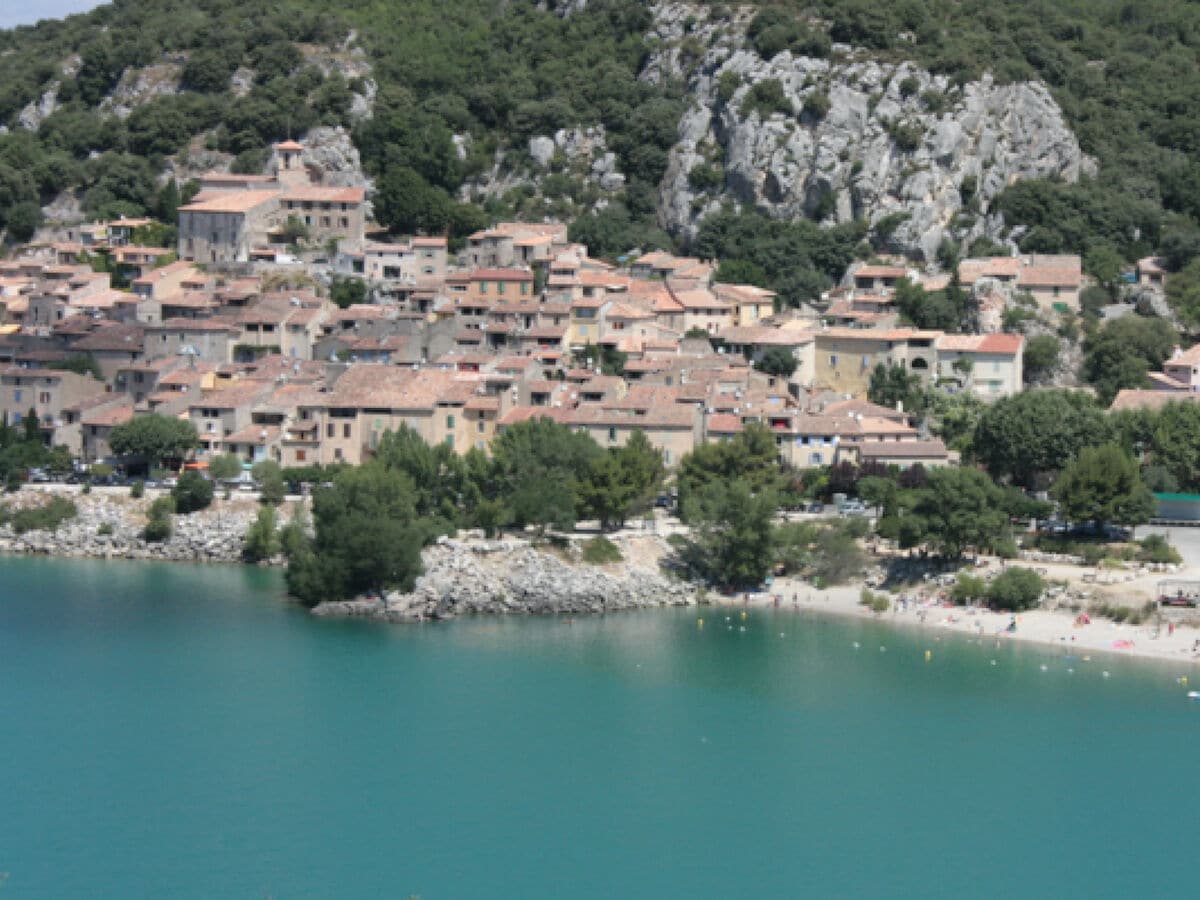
(244, 73)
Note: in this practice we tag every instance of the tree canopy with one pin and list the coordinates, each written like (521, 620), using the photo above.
(1103, 485)
(153, 438)
(1029, 437)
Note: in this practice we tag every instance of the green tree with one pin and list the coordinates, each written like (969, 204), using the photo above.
(439, 476)
(1015, 589)
(1103, 485)
(262, 538)
(225, 467)
(777, 361)
(347, 291)
(1029, 437)
(750, 456)
(1041, 357)
(154, 438)
(622, 482)
(1120, 354)
(1174, 442)
(192, 492)
(271, 487)
(893, 385)
(1183, 293)
(537, 467)
(731, 539)
(960, 508)
(368, 537)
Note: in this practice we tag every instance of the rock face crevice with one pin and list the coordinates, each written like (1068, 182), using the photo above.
(852, 137)
(464, 577)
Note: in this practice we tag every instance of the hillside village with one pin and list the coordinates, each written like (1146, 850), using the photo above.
(235, 334)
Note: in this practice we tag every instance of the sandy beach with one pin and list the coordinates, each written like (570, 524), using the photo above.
(1050, 627)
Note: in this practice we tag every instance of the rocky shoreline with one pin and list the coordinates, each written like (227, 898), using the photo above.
(512, 577)
(211, 535)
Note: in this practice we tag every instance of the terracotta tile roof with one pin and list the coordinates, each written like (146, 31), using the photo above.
(1001, 344)
(1135, 398)
(1047, 276)
(112, 337)
(1189, 357)
(501, 275)
(526, 413)
(903, 450)
(724, 423)
(319, 194)
(870, 271)
(230, 201)
(108, 416)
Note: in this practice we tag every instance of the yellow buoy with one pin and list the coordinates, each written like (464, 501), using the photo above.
(743, 614)
(699, 623)
(928, 655)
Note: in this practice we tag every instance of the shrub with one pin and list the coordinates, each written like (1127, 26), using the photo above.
(157, 529)
(1015, 589)
(262, 539)
(766, 98)
(600, 550)
(1155, 549)
(193, 492)
(46, 517)
(816, 105)
(105, 529)
(138, 490)
(968, 587)
(877, 603)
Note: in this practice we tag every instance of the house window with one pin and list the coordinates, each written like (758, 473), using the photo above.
(44, 397)
(814, 459)
(324, 221)
(337, 453)
(16, 396)
(833, 360)
(346, 430)
(344, 221)
(480, 426)
(329, 430)
(301, 455)
(450, 422)
(500, 287)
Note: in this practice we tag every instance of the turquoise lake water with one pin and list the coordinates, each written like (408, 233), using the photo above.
(178, 731)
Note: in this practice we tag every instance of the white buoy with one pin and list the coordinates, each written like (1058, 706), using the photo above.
(1105, 674)
(993, 662)
(1045, 667)
(855, 645)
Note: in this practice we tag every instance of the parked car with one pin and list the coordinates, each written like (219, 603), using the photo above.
(816, 507)
(853, 508)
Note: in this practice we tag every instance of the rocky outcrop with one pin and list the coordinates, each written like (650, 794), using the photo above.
(849, 137)
(109, 526)
(330, 154)
(465, 577)
(140, 86)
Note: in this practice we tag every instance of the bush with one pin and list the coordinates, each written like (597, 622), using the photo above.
(1155, 549)
(46, 517)
(766, 98)
(157, 530)
(1015, 589)
(877, 603)
(138, 490)
(600, 550)
(105, 529)
(193, 492)
(262, 539)
(968, 587)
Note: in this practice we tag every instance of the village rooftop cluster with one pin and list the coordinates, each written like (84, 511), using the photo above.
(234, 333)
